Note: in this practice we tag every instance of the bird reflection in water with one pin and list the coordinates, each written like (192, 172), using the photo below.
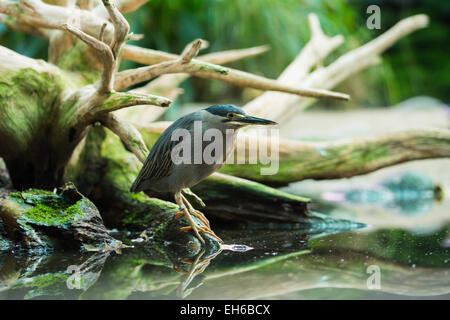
(197, 265)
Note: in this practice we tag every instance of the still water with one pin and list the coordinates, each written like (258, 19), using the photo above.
(400, 248)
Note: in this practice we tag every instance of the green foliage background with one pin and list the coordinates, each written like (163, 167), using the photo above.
(417, 65)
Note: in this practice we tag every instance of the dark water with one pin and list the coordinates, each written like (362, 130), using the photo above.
(404, 252)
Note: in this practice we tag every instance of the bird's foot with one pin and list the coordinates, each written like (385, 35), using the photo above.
(196, 229)
(196, 214)
(202, 217)
(205, 230)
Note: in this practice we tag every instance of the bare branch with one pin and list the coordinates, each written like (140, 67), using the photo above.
(150, 57)
(318, 47)
(227, 56)
(121, 27)
(102, 32)
(85, 4)
(146, 56)
(11, 60)
(191, 51)
(16, 25)
(124, 6)
(130, 77)
(210, 71)
(106, 56)
(128, 134)
(120, 100)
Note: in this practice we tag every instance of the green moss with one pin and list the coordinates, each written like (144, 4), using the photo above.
(45, 208)
(45, 284)
(29, 99)
(46, 280)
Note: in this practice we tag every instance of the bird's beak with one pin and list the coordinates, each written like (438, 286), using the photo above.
(255, 121)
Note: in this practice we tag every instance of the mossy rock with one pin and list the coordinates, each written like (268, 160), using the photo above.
(41, 220)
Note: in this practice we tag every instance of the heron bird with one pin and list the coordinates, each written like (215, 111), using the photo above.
(179, 159)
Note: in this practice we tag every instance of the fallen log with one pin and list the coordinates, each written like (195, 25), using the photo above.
(344, 158)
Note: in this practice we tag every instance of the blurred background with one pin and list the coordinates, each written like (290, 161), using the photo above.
(416, 65)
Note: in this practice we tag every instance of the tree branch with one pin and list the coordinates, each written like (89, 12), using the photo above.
(128, 134)
(210, 71)
(167, 85)
(121, 28)
(317, 48)
(106, 56)
(130, 77)
(120, 100)
(344, 158)
(150, 56)
(195, 67)
(124, 6)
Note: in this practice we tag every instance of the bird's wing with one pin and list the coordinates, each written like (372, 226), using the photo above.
(159, 163)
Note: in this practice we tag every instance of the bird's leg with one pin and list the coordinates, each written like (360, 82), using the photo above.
(198, 265)
(204, 230)
(193, 225)
(194, 212)
(187, 211)
(202, 218)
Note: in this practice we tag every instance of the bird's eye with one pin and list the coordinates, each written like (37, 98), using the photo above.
(230, 115)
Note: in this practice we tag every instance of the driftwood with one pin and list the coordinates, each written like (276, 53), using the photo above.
(327, 77)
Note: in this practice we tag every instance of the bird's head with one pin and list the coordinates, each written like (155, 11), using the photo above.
(230, 116)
